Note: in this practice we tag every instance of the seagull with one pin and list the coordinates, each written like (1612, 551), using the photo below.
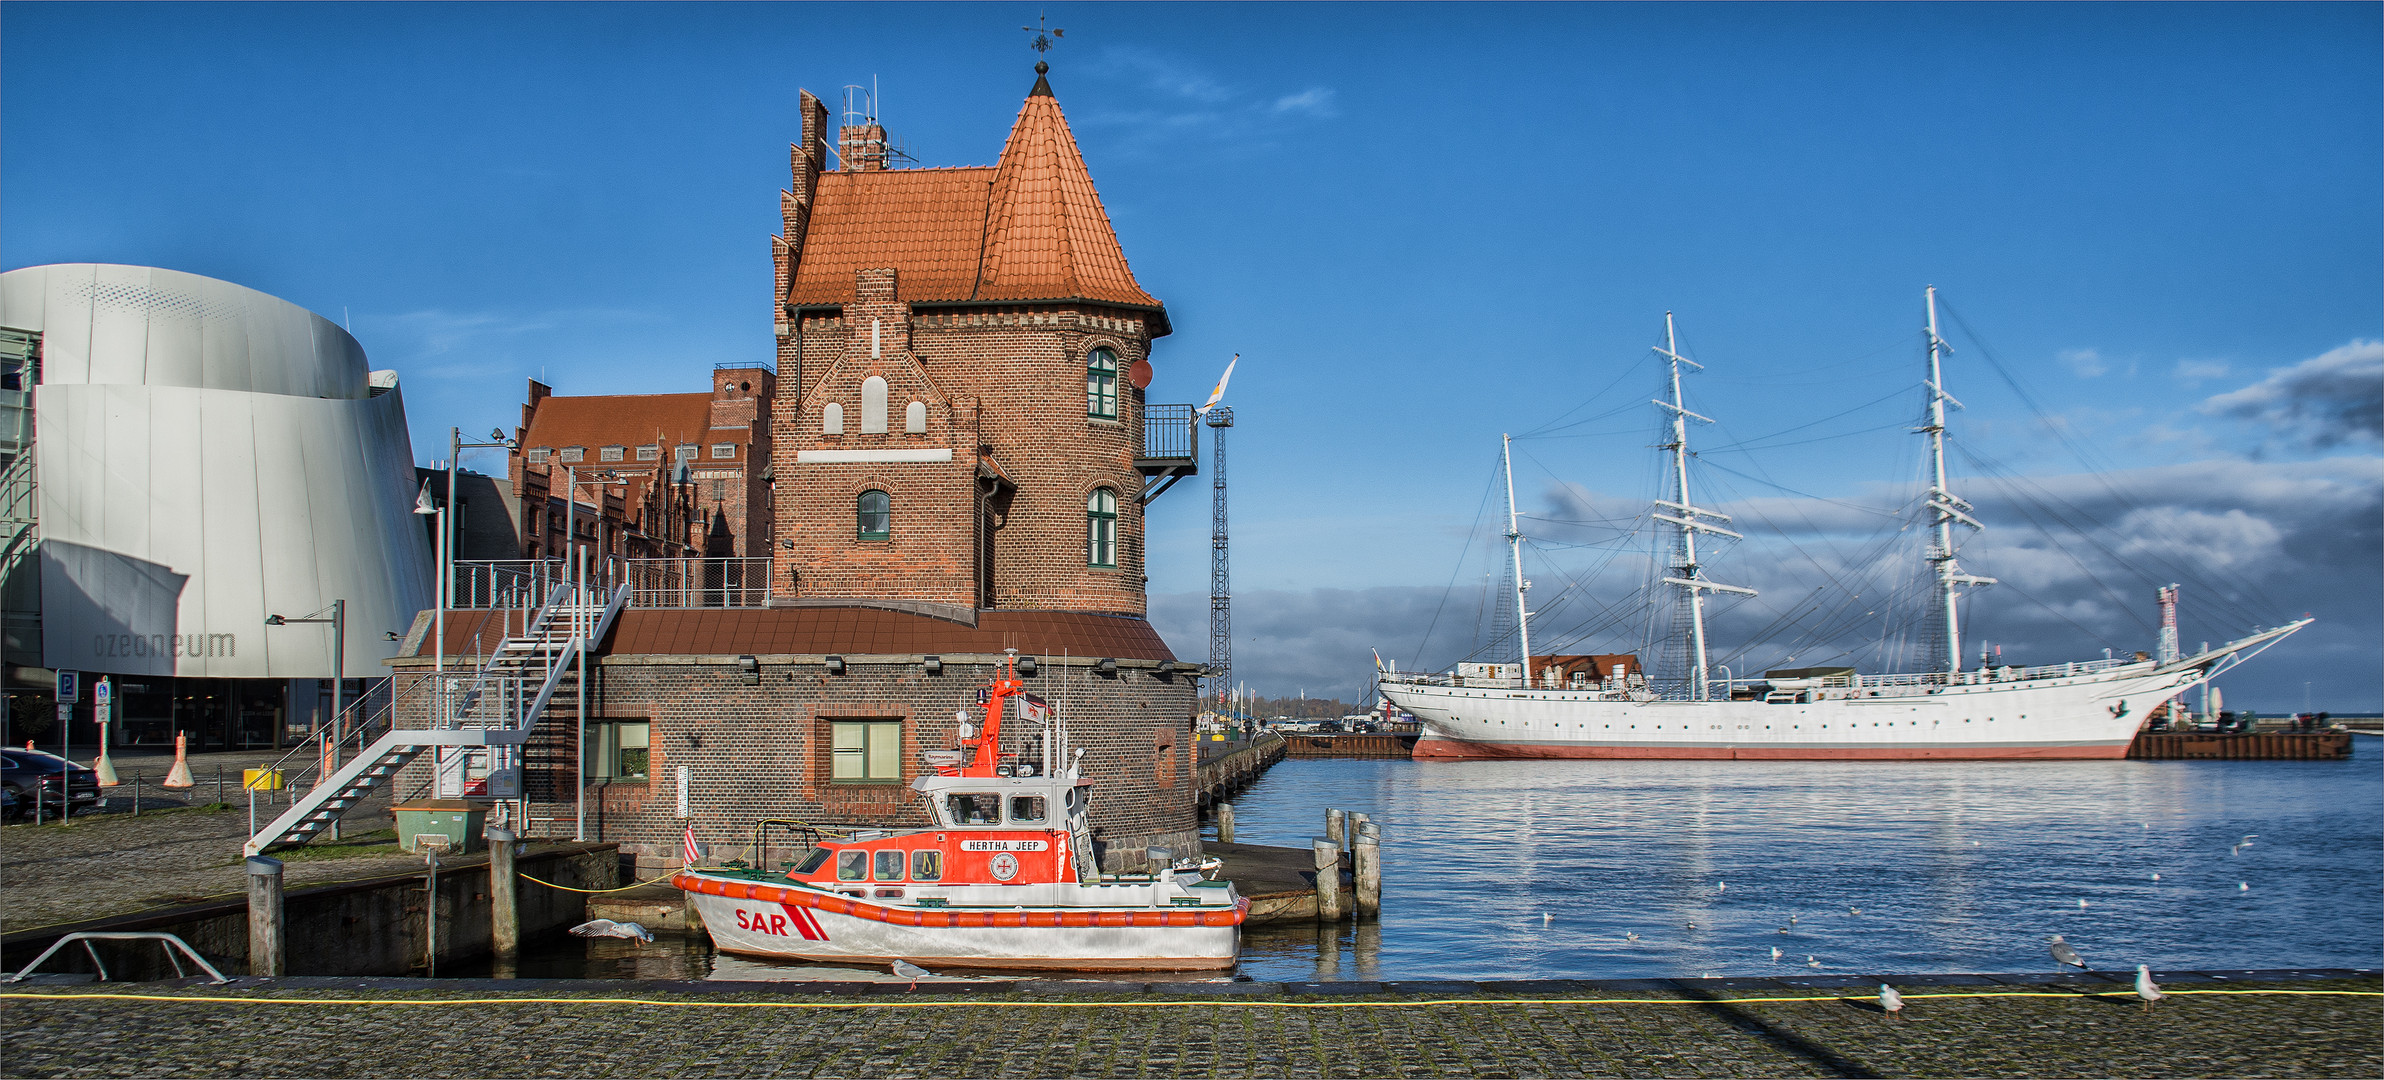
(1792, 920)
(2156, 876)
(2243, 886)
(609, 928)
(1630, 935)
(2063, 953)
(1775, 952)
(913, 972)
(1783, 929)
(2248, 838)
(1810, 962)
(2081, 903)
(2146, 989)
(1547, 917)
(1721, 886)
(1890, 1001)
(2234, 851)
(1853, 911)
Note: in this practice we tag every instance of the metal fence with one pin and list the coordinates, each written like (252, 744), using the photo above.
(522, 584)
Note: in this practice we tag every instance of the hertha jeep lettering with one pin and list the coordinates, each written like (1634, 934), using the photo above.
(1003, 845)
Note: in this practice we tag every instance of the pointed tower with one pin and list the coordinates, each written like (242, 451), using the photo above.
(959, 410)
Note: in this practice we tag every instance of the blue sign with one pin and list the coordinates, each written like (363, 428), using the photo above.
(102, 693)
(70, 687)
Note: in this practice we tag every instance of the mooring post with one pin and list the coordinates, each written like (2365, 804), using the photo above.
(1357, 828)
(1328, 879)
(430, 913)
(1225, 823)
(268, 953)
(1335, 824)
(504, 898)
(1367, 861)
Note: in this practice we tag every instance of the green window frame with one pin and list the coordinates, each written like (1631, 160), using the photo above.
(1100, 384)
(865, 751)
(873, 513)
(1100, 528)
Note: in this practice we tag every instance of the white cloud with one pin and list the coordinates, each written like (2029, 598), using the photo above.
(2195, 372)
(1315, 101)
(2085, 363)
(2331, 399)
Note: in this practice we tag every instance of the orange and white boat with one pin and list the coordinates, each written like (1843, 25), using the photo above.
(1006, 878)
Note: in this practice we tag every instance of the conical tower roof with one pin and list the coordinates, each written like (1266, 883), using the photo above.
(1047, 235)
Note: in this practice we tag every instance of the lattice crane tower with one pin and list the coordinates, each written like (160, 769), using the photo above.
(1220, 569)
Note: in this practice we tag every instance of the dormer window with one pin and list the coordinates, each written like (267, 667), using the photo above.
(609, 453)
(649, 453)
(538, 455)
(683, 454)
(572, 455)
(724, 451)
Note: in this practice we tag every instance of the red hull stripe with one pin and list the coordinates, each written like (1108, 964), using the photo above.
(799, 903)
(1453, 750)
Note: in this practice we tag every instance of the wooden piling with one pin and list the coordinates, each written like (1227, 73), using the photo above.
(1225, 823)
(1328, 879)
(1366, 859)
(268, 950)
(504, 898)
(1336, 823)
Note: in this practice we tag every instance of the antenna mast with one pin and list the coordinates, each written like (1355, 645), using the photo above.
(1688, 518)
(1506, 454)
(1220, 417)
(1949, 507)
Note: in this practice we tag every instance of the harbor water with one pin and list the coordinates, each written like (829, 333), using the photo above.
(1683, 869)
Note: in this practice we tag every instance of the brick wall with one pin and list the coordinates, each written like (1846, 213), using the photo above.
(760, 750)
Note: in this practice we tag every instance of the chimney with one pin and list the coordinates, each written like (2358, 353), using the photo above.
(862, 147)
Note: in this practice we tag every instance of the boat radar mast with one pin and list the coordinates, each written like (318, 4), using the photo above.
(1688, 518)
(1949, 507)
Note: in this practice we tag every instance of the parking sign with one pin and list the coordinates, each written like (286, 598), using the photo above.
(102, 693)
(70, 687)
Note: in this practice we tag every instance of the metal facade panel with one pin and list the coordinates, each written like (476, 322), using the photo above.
(252, 473)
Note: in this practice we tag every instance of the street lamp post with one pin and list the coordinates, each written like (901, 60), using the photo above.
(339, 680)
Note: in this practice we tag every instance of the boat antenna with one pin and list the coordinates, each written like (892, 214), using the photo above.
(1948, 508)
(1688, 519)
(1506, 454)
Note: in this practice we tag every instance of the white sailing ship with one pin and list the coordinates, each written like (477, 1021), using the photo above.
(2087, 709)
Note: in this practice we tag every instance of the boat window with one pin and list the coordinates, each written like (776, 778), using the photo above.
(1025, 808)
(813, 861)
(852, 866)
(975, 809)
(927, 865)
(889, 865)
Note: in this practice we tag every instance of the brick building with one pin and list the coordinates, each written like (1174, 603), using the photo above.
(660, 475)
(949, 460)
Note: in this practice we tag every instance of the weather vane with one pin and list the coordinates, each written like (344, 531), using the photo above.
(1045, 33)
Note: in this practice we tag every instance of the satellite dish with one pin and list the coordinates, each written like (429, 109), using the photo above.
(1140, 374)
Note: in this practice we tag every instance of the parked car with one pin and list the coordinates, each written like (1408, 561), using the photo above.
(24, 771)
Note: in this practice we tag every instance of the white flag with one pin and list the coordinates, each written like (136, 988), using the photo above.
(422, 501)
(1218, 394)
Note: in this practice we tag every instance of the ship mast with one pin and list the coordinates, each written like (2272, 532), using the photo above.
(1949, 508)
(1689, 520)
(1506, 454)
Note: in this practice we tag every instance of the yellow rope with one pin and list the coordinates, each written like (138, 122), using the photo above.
(1007, 1003)
(625, 888)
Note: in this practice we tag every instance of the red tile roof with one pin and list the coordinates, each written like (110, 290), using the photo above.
(841, 630)
(625, 420)
(1030, 228)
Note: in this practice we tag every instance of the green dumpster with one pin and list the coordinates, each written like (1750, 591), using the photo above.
(452, 826)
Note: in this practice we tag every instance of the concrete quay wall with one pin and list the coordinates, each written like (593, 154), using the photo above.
(371, 927)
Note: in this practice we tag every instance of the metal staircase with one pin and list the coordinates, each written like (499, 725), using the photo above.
(524, 671)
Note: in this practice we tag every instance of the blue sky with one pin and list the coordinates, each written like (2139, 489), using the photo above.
(1421, 226)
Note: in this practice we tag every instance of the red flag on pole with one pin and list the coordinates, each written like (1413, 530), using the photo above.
(691, 854)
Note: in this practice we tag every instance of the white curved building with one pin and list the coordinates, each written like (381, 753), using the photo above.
(206, 456)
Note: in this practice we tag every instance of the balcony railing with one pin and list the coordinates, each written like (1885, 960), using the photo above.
(1170, 433)
(653, 583)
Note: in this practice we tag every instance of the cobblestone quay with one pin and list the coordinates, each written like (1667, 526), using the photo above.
(2246, 1024)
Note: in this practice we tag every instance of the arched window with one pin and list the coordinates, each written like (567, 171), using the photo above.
(1100, 527)
(831, 423)
(876, 514)
(914, 418)
(873, 406)
(1100, 384)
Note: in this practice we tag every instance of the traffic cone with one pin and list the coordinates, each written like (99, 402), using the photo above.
(105, 766)
(179, 775)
